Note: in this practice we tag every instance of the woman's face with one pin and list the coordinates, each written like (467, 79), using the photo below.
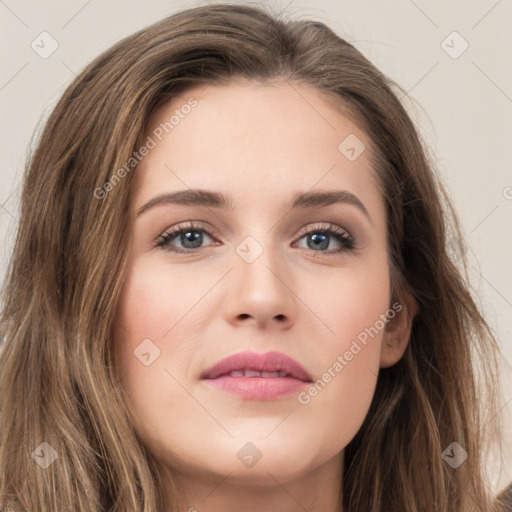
(292, 261)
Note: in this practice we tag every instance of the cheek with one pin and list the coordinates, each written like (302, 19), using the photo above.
(147, 309)
(155, 297)
(353, 309)
(156, 327)
(350, 306)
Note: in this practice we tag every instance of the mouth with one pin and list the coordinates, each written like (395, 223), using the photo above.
(255, 373)
(255, 376)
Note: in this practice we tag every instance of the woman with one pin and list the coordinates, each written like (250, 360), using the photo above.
(180, 332)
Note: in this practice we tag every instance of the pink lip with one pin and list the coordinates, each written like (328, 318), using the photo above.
(257, 387)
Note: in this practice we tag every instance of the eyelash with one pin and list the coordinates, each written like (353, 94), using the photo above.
(163, 241)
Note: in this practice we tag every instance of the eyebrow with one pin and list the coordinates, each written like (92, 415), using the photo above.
(210, 199)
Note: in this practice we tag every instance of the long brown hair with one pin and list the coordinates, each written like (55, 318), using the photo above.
(58, 383)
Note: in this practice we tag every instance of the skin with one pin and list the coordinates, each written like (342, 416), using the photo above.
(258, 143)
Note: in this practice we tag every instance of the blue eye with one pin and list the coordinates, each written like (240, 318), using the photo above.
(319, 237)
(192, 236)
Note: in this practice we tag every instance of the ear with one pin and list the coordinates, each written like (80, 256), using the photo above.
(397, 331)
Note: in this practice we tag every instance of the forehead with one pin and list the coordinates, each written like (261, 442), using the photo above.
(257, 141)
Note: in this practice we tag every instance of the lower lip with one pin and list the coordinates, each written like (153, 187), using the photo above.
(258, 388)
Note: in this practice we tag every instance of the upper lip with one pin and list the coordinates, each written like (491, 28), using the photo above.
(267, 362)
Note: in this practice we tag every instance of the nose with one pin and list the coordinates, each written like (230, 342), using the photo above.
(260, 293)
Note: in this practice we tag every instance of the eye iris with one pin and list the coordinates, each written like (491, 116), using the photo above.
(319, 241)
(196, 239)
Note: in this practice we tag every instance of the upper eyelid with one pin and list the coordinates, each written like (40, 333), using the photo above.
(199, 225)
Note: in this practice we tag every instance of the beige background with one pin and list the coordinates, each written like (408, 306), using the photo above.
(462, 105)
